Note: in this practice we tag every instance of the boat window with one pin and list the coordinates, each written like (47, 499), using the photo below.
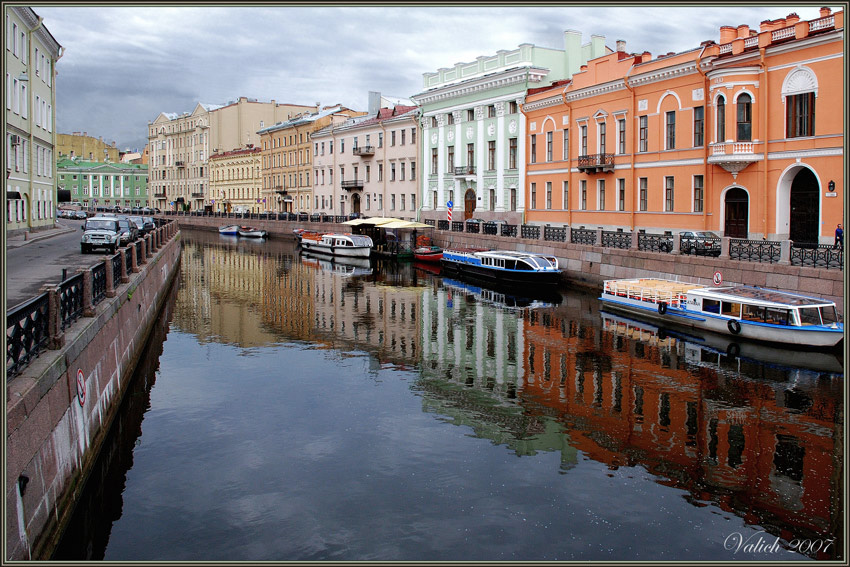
(711, 306)
(828, 315)
(523, 265)
(809, 315)
(754, 313)
(777, 316)
(510, 264)
(731, 309)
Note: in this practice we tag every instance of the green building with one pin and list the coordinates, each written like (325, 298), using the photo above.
(99, 184)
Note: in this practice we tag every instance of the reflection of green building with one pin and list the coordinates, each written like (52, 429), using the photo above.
(104, 184)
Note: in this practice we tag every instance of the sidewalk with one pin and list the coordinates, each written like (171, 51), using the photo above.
(22, 239)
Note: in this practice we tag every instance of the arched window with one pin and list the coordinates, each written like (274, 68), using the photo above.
(721, 119)
(745, 118)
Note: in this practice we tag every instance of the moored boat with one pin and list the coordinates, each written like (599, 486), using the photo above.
(232, 229)
(428, 254)
(503, 266)
(251, 232)
(338, 244)
(747, 312)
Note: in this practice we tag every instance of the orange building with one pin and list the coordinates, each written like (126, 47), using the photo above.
(743, 137)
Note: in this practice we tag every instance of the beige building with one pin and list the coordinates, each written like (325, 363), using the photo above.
(287, 164)
(235, 181)
(368, 165)
(88, 148)
(180, 146)
(30, 65)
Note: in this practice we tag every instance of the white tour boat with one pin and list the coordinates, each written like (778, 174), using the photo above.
(231, 229)
(336, 244)
(748, 312)
(503, 266)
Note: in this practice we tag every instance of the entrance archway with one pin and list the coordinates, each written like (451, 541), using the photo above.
(804, 208)
(736, 213)
(355, 203)
(468, 204)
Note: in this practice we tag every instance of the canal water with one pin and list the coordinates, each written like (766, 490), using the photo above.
(290, 408)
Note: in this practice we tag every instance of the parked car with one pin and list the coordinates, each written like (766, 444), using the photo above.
(129, 230)
(100, 232)
(700, 242)
(80, 215)
(144, 224)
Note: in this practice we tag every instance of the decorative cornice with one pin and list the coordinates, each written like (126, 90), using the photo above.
(821, 152)
(543, 103)
(518, 76)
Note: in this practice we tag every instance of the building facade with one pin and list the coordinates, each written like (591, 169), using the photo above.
(236, 182)
(743, 137)
(81, 145)
(369, 165)
(97, 184)
(287, 164)
(30, 65)
(473, 133)
(180, 146)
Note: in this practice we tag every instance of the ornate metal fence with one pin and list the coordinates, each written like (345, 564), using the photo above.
(98, 283)
(442, 225)
(824, 256)
(491, 228)
(616, 239)
(473, 227)
(27, 332)
(530, 231)
(555, 233)
(138, 247)
(509, 230)
(655, 242)
(764, 251)
(128, 258)
(457, 226)
(583, 236)
(116, 269)
(71, 299)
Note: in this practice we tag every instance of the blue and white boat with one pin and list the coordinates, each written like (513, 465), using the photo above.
(231, 229)
(503, 266)
(746, 312)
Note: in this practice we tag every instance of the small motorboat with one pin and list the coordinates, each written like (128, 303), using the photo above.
(337, 244)
(251, 232)
(428, 254)
(231, 229)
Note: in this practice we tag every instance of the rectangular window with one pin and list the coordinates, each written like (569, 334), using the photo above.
(342, 145)
(644, 133)
(548, 194)
(368, 173)
(600, 187)
(668, 194)
(699, 126)
(491, 111)
(470, 115)
(583, 189)
(491, 155)
(392, 202)
(602, 128)
(381, 140)
(402, 139)
(670, 130)
(800, 115)
(413, 171)
(402, 169)
(450, 159)
(583, 133)
(512, 152)
(698, 193)
(548, 146)
(513, 108)
(534, 195)
(565, 190)
(433, 161)
(380, 172)
(470, 155)
(566, 144)
(533, 148)
(450, 118)
(413, 135)
(392, 138)
(621, 136)
(621, 194)
(402, 196)
(643, 183)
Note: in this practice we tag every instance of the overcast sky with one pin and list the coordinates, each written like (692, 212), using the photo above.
(122, 66)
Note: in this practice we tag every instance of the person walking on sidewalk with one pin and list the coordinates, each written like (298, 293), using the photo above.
(839, 236)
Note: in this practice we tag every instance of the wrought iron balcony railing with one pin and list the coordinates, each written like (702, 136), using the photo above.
(594, 163)
(364, 151)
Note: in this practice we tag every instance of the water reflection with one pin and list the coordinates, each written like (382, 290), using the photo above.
(608, 399)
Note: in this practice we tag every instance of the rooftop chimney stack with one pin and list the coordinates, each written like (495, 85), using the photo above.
(727, 34)
(621, 45)
(824, 12)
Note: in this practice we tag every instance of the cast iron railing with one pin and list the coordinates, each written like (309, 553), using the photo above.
(27, 333)
(555, 233)
(116, 269)
(71, 300)
(530, 231)
(655, 242)
(583, 236)
(616, 239)
(98, 283)
(765, 251)
(824, 256)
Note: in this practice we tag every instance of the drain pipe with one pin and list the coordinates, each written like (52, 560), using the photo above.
(764, 103)
(708, 169)
(634, 147)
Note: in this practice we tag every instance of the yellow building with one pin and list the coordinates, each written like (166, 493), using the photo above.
(88, 148)
(235, 182)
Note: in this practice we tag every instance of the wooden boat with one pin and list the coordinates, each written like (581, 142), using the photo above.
(251, 232)
(503, 266)
(428, 254)
(231, 229)
(746, 312)
(338, 244)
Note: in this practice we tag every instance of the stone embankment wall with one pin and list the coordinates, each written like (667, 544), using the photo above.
(60, 407)
(589, 266)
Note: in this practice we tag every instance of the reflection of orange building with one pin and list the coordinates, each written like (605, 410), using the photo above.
(766, 449)
(743, 137)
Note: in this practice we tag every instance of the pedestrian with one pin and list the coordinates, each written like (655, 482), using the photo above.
(839, 236)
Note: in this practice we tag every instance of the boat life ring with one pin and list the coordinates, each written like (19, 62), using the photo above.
(734, 326)
(734, 350)
(662, 308)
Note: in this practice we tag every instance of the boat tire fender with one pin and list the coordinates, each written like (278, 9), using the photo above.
(734, 350)
(662, 308)
(734, 326)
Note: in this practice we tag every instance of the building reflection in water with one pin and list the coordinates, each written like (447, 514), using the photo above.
(758, 439)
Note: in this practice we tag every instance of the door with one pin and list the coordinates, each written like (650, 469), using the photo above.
(737, 212)
(355, 203)
(804, 208)
(468, 204)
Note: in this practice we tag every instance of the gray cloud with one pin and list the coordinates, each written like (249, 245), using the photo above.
(124, 65)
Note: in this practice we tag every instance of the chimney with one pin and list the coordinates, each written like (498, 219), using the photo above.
(824, 12)
(743, 31)
(374, 102)
(727, 34)
(647, 56)
(85, 133)
(621, 45)
(792, 19)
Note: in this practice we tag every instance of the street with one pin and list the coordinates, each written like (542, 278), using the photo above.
(30, 266)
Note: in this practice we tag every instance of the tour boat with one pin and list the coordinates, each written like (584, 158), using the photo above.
(338, 244)
(504, 297)
(503, 266)
(342, 266)
(229, 229)
(251, 232)
(748, 312)
(428, 254)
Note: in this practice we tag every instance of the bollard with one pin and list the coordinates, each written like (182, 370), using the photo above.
(134, 261)
(110, 280)
(125, 269)
(88, 308)
(54, 316)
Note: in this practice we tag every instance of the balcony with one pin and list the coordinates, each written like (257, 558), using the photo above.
(280, 190)
(364, 151)
(734, 156)
(197, 195)
(595, 163)
(465, 171)
(352, 184)
(159, 195)
(180, 163)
